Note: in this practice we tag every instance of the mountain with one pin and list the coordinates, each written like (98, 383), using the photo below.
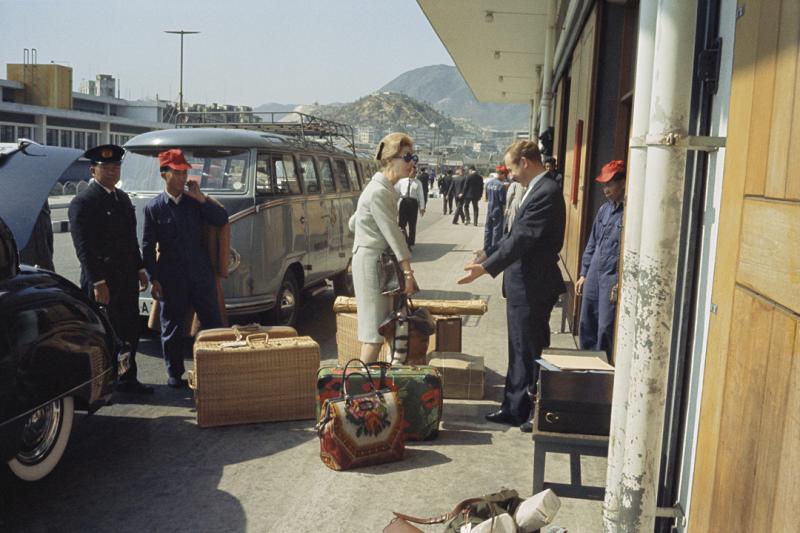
(275, 107)
(387, 111)
(445, 90)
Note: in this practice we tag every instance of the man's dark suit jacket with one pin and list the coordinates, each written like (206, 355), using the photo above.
(457, 185)
(528, 254)
(473, 187)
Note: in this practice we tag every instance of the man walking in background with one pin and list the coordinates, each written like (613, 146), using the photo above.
(459, 181)
(412, 201)
(473, 191)
(445, 186)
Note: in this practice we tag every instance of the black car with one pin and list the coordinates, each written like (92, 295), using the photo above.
(58, 352)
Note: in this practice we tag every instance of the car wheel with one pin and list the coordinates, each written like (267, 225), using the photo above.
(287, 305)
(44, 439)
(343, 283)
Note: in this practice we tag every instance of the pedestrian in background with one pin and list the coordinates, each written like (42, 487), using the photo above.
(472, 192)
(102, 221)
(459, 184)
(514, 196)
(446, 190)
(375, 227)
(528, 256)
(551, 166)
(423, 180)
(412, 203)
(496, 207)
(598, 282)
(182, 275)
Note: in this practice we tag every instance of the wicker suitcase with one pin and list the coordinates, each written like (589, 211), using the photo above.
(255, 380)
(349, 347)
(240, 332)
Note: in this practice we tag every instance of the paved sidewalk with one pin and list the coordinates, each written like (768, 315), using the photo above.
(143, 465)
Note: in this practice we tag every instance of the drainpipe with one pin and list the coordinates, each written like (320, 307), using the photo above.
(547, 82)
(658, 263)
(629, 277)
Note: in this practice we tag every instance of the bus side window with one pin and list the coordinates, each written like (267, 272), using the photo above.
(264, 175)
(285, 177)
(354, 177)
(308, 174)
(326, 173)
(342, 183)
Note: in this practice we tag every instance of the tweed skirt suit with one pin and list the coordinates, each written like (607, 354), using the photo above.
(375, 227)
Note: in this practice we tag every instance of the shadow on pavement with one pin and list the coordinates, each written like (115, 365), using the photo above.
(170, 484)
(428, 251)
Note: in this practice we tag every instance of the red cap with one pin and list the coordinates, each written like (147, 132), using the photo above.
(502, 168)
(173, 159)
(611, 169)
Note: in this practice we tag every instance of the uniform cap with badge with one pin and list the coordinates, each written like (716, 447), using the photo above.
(105, 154)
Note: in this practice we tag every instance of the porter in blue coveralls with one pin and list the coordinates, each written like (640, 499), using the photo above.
(181, 275)
(496, 199)
(597, 283)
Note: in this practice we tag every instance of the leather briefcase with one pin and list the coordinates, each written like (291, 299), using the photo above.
(574, 401)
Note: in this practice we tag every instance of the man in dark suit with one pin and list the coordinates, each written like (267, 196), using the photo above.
(182, 275)
(473, 191)
(445, 184)
(103, 225)
(528, 255)
(457, 189)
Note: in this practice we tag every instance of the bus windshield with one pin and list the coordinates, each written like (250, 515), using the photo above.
(217, 171)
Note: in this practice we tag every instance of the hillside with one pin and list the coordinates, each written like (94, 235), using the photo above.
(445, 90)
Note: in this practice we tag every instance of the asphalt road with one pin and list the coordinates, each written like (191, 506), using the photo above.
(142, 464)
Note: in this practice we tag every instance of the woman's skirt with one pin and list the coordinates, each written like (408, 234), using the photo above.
(372, 306)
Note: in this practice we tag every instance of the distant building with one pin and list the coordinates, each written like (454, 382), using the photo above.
(366, 135)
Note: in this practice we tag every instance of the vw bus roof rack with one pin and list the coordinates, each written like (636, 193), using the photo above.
(289, 123)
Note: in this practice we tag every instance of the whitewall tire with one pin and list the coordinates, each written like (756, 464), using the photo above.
(44, 440)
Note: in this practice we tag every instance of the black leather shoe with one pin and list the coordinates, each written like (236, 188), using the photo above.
(501, 416)
(177, 383)
(527, 427)
(134, 387)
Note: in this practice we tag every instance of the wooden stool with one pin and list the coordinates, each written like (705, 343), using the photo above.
(575, 445)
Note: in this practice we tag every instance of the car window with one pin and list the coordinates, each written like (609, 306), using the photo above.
(217, 171)
(264, 184)
(285, 175)
(326, 173)
(354, 178)
(342, 181)
(308, 174)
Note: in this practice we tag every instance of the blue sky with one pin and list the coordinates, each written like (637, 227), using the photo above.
(249, 52)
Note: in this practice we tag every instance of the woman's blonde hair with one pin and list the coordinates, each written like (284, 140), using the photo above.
(391, 146)
(527, 149)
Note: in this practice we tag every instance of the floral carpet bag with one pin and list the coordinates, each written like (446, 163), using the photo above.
(361, 429)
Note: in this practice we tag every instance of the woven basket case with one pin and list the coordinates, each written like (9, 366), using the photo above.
(349, 347)
(259, 381)
(239, 332)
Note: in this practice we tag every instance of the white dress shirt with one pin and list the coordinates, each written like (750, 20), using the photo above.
(411, 188)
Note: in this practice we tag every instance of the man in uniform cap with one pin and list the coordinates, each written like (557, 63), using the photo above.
(102, 221)
(597, 283)
(182, 275)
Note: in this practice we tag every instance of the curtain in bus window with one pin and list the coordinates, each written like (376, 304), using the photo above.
(309, 174)
(342, 183)
(326, 173)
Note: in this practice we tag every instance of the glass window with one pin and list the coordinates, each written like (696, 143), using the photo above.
(351, 169)
(308, 174)
(91, 140)
(217, 170)
(7, 134)
(326, 173)
(80, 140)
(52, 137)
(285, 176)
(264, 175)
(66, 138)
(24, 132)
(342, 183)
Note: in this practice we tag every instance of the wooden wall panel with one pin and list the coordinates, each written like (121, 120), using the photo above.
(787, 489)
(793, 170)
(769, 259)
(763, 91)
(784, 100)
(741, 413)
(772, 410)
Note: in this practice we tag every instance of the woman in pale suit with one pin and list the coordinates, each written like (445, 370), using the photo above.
(375, 226)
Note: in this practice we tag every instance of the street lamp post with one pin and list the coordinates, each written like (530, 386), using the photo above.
(181, 33)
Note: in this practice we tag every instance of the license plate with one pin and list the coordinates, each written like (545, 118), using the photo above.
(145, 306)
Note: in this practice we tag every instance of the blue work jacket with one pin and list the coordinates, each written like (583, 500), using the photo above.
(496, 196)
(601, 256)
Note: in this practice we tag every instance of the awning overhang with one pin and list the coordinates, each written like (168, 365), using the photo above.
(499, 47)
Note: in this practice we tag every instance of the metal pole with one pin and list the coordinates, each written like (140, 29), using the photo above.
(547, 82)
(658, 262)
(629, 277)
(180, 90)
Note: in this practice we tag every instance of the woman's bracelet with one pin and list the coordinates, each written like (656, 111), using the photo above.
(408, 273)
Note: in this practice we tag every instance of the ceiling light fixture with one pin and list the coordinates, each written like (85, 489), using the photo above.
(499, 53)
(489, 17)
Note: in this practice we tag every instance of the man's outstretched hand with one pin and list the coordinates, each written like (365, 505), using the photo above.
(474, 270)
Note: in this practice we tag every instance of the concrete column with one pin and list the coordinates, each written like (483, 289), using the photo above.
(40, 129)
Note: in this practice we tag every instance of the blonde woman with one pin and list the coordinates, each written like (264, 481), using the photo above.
(375, 226)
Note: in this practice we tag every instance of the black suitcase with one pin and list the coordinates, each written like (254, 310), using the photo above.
(573, 401)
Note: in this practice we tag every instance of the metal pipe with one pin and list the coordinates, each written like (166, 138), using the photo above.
(629, 278)
(658, 263)
(547, 82)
